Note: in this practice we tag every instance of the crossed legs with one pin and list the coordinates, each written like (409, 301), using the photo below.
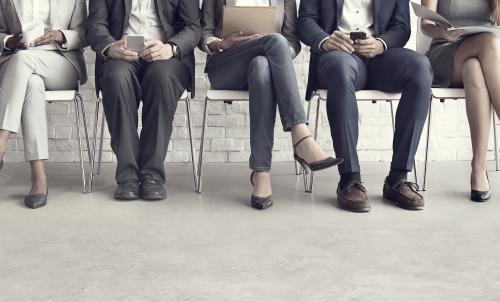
(476, 66)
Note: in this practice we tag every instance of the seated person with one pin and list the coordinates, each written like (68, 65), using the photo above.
(379, 62)
(471, 62)
(158, 76)
(54, 61)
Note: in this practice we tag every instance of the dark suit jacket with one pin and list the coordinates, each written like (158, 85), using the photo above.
(180, 20)
(320, 18)
(212, 13)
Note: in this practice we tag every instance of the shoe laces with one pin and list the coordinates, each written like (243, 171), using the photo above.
(404, 183)
(358, 185)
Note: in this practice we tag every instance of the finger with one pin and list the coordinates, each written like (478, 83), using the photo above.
(343, 37)
(152, 43)
(365, 41)
(339, 40)
(127, 52)
(344, 48)
(130, 57)
(149, 50)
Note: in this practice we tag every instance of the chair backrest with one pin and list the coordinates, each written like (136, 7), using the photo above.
(423, 42)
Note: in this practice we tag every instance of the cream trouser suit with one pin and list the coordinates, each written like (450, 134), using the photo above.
(23, 81)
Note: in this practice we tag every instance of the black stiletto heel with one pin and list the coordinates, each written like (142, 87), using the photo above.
(317, 165)
(260, 203)
(480, 196)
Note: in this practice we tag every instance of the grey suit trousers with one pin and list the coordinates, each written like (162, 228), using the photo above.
(23, 81)
(159, 85)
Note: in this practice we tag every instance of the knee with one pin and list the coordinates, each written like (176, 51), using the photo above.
(338, 67)
(278, 40)
(161, 76)
(115, 75)
(419, 71)
(490, 44)
(21, 57)
(259, 70)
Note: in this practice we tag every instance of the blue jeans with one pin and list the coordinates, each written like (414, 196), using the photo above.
(264, 67)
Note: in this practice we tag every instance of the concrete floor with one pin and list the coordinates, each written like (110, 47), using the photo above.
(213, 247)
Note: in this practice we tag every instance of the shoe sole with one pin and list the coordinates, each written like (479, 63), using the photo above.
(126, 198)
(154, 198)
(362, 210)
(398, 204)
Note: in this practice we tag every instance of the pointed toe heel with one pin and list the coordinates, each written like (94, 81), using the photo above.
(260, 203)
(480, 196)
(35, 201)
(317, 165)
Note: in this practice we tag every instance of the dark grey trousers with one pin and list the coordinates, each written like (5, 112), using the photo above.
(397, 70)
(159, 85)
(263, 66)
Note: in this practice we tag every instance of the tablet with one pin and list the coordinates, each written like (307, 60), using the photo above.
(249, 19)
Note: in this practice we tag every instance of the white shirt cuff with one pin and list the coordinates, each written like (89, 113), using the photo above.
(321, 43)
(104, 51)
(208, 41)
(5, 43)
(383, 42)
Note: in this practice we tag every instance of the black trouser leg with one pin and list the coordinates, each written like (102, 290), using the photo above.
(163, 84)
(120, 82)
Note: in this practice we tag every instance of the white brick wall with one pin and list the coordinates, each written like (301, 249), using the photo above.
(228, 128)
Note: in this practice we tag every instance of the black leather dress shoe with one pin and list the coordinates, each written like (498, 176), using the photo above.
(153, 190)
(35, 201)
(127, 190)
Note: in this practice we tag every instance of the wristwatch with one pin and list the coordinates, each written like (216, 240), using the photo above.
(175, 49)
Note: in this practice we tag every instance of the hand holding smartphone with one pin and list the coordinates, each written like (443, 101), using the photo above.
(135, 43)
(357, 35)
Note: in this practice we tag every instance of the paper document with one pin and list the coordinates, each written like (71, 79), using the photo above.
(32, 31)
(428, 14)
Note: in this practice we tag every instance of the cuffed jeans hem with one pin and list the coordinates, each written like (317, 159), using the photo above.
(30, 158)
(260, 169)
(288, 127)
(14, 130)
(408, 166)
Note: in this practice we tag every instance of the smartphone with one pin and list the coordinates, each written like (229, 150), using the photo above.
(357, 35)
(135, 43)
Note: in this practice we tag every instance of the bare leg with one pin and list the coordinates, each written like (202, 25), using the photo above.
(4, 138)
(38, 177)
(481, 86)
(479, 115)
(262, 184)
(309, 149)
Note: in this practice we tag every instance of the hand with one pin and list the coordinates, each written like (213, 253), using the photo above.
(233, 40)
(50, 37)
(15, 42)
(369, 47)
(118, 51)
(156, 50)
(338, 41)
(450, 35)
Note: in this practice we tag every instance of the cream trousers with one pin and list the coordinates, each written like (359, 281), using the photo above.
(23, 81)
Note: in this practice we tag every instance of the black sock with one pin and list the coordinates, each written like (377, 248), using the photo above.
(396, 175)
(347, 178)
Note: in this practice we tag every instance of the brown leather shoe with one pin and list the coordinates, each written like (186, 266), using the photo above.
(404, 194)
(354, 198)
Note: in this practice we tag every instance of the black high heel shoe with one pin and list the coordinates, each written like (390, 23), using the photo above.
(317, 165)
(481, 196)
(260, 203)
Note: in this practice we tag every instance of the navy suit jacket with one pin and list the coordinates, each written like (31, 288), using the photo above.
(318, 19)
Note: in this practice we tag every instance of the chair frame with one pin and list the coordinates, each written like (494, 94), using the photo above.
(184, 98)
(442, 99)
(228, 98)
(79, 103)
(320, 95)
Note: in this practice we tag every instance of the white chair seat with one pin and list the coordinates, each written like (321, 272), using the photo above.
(60, 95)
(230, 95)
(448, 93)
(368, 95)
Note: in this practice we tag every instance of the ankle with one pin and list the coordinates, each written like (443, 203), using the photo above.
(347, 178)
(396, 175)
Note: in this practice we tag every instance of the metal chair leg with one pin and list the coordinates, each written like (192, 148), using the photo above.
(101, 143)
(424, 188)
(191, 142)
(495, 140)
(85, 128)
(80, 147)
(94, 140)
(315, 134)
(202, 143)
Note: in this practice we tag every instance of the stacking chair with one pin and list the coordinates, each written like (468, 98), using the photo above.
(442, 94)
(184, 98)
(363, 95)
(74, 96)
(228, 97)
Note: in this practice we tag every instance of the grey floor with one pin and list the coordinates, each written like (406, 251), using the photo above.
(213, 247)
